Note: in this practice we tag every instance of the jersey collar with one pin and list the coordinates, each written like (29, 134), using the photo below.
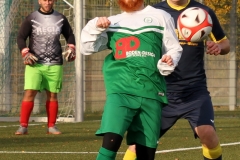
(45, 13)
(177, 7)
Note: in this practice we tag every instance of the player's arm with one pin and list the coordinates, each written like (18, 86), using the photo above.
(68, 32)
(215, 48)
(23, 33)
(69, 54)
(219, 44)
(93, 36)
(171, 45)
(171, 48)
(225, 46)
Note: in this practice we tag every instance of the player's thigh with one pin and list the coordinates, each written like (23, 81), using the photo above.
(189, 105)
(32, 78)
(171, 113)
(52, 78)
(201, 112)
(144, 129)
(177, 107)
(118, 113)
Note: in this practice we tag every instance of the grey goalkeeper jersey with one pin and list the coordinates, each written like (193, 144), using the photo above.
(43, 31)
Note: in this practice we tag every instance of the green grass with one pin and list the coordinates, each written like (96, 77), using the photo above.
(80, 138)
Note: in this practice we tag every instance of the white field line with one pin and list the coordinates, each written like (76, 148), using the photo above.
(193, 148)
(163, 151)
(38, 124)
(18, 125)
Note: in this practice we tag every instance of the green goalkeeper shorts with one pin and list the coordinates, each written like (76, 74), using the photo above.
(139, 116)
(43, 77)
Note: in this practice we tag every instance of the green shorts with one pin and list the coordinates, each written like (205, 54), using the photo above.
(139, 116)
(43, 77)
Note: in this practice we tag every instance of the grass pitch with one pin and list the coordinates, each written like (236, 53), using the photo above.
(78, 141)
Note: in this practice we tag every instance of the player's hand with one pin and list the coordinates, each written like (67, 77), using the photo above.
(165, 65)
(213, 48)
(167, 59)
(28, 58)
(69, 55)
(103, 22)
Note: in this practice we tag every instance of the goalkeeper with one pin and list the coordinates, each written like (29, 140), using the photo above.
(43, 60)
(144, 48)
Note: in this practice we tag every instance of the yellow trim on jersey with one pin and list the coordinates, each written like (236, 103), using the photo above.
(174, 6)
(212, 37)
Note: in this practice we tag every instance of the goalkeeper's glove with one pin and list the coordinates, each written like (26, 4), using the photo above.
(69, 55)
(164, 68)
(28, 58)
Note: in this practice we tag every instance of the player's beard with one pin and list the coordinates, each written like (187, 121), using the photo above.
(130, 5)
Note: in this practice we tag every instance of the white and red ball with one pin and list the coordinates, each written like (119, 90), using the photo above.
(194, 24)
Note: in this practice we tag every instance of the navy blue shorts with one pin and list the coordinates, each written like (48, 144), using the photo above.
(196, 107)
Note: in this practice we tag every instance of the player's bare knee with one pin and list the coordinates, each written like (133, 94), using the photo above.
(204, 130)
(207, 134)
(29, 95)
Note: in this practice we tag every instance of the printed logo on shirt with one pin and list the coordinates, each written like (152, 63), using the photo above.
(127, 47)
(212, 120)
(40, 29)
(161, 94)
(126, 44)
(148, 20)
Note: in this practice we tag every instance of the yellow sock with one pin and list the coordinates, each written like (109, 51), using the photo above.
(129, 155)
(212, 153)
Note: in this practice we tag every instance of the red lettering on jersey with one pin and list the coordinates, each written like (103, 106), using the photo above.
(126, 44)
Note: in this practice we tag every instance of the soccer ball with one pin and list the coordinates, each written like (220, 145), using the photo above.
(194, 24)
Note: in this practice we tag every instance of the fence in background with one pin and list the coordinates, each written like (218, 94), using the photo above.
(222, 71)
(11, 65)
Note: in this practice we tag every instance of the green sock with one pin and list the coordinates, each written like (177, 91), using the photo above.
(105, 154)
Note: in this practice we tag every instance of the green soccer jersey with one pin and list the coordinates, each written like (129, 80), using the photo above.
(131, 68)
(138, 42)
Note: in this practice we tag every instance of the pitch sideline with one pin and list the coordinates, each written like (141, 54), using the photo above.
(163, 151)
(157, 152)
